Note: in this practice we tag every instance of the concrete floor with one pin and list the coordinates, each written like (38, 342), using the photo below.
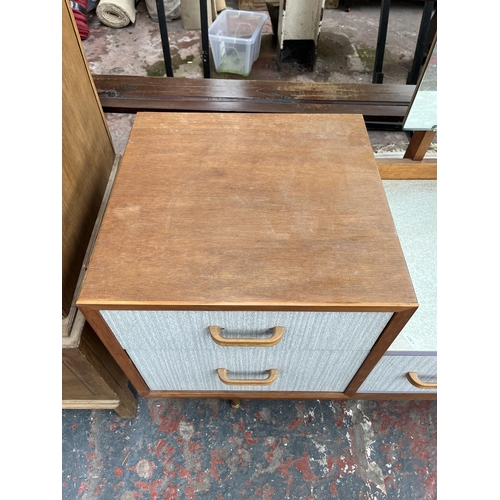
(202, 448)
(300, 450)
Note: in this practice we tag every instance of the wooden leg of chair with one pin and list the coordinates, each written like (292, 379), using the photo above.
(419, 144)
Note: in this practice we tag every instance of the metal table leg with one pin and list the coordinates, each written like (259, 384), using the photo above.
(160, 7)
(378, 75)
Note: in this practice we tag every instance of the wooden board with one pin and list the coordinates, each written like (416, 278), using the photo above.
(131, 94)
(404, 169)
(87, 156)
(225, 210)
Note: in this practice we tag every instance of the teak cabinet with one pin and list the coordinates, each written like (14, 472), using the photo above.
(248, 255)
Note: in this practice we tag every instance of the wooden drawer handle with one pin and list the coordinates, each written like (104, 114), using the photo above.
(246, 342)
(222, 372)
(415, 381)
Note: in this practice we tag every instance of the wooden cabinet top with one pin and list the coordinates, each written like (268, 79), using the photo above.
(248, 211)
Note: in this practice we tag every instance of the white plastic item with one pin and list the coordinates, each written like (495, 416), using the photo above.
(172, 9)
(235, 40)
(116, 13)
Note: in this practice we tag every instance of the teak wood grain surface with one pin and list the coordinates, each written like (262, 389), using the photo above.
(248, 211)
(87, 156)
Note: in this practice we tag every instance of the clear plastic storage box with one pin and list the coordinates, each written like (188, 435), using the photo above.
(235, 40)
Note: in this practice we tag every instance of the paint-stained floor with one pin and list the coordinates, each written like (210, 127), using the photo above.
(204, 449)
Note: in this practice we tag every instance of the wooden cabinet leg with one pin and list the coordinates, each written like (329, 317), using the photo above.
(419, 144)
(128, 406)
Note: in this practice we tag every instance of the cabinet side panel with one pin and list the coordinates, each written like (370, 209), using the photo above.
(87, 156)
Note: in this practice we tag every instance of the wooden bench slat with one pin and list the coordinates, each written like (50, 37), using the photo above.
(137, 93)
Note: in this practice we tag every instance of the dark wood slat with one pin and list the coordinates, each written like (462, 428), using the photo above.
(135, 93)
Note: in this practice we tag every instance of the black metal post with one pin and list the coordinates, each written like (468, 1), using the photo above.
(204, 38)
(160, 7)
(378, 75)
(418, 58)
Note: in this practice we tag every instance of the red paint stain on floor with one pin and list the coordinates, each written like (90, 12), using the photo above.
(249, 439)
(283, 468)
(215, 460)
(195, 446)
(333, 490)
(84, 486)
(171, 493)
(152, 488)
(295, 423)
(183, 473)
(304, 467)
(189, 492)
(119, 485)
(168, 421)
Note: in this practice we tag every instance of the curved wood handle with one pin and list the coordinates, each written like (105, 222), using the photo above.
(222, 372)
(278, 332)
(416, 382)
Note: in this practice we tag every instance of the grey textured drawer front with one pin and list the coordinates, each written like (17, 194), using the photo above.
(297, 371)
(156, 330)
(390, 373)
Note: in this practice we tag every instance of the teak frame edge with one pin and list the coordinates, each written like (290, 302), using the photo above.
(387, 337)
(97, 322)
(390, 332)
(192, 306)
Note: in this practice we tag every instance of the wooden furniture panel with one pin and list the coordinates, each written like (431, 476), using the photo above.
(91, 378)
(266, 221)
(87, 156)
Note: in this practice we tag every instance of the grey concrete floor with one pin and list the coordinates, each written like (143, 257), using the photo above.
(346, 52)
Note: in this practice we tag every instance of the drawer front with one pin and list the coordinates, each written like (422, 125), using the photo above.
(157, 330)
(297, 371)
(390, 374)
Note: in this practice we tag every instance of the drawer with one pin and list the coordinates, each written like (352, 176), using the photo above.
(157, 330)
(297, 370)
(389, 375)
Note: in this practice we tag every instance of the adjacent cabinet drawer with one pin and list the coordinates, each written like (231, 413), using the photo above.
(391, 373)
